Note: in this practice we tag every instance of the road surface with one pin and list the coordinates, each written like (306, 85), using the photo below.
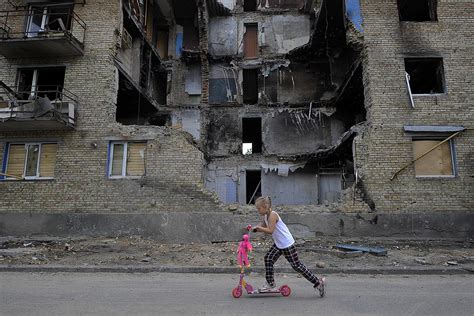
(210, 294)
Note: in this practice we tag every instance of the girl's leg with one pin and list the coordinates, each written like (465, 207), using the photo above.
(292, 256)
(270, 258)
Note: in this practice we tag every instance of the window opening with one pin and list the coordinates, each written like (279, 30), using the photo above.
(127, 159)
(253, 179)
(417, 10)
(41, 82)
(251, 135)
(161, 119)
(250, 86)
(250, 40)
(426, 75)
(250, 5)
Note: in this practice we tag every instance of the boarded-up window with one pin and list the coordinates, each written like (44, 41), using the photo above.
(136, 159)
(16, 160)
(127, 159)
(31, 161)
(439, 162)
(48, 160)
(251, 41)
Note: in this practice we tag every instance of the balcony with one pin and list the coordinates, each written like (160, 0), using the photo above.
(41, 32)
(47, 108)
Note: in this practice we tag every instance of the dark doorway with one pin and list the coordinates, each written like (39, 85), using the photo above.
(253, 185)
(250, 5)
(250, 86)
(251, 135)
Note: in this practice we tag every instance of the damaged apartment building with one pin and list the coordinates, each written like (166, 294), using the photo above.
(285, 99)
(192, 105)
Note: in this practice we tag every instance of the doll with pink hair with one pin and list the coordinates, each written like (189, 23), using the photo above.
(244, 247)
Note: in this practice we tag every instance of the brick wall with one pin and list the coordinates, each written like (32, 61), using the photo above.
(385, 147)
(173, 163)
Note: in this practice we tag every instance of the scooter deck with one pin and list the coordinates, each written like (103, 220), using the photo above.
(257, 292)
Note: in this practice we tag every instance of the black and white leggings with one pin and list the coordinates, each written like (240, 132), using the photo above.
(292, 256)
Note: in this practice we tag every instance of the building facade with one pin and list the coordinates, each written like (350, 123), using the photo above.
(193, 105)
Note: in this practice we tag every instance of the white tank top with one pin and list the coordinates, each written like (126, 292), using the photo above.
(281, 235)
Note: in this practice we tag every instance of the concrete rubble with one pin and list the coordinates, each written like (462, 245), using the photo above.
(134, 253)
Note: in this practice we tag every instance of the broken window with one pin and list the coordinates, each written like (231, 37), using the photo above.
(253, 187)
(250, 5)
(52, 18)
(438, 162)
(126, 159)
(250, 86)
(42, 82)
(426, 75)
(222, 84)
(251, 135)
(417, 10)
(30, 161)
(251, 40)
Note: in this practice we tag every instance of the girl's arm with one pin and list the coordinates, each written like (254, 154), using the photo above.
(272, 219)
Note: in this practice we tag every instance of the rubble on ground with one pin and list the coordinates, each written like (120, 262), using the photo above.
(321, 253)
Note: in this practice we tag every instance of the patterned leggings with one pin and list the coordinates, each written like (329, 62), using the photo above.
(292, 256)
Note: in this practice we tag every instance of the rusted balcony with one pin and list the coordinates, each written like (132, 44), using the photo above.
(41, 32)
(38, 108)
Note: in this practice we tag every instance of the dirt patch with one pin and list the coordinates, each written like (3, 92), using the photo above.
(135, 250)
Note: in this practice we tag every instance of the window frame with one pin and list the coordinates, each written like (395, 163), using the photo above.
(45, 10)
(35, 89)
(452, 149)
(110, 157)
(25, 162)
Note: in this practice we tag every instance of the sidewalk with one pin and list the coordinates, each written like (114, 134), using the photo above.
(136, 254)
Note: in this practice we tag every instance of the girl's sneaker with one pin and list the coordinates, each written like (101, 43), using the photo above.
(266, 287)
(320, 288)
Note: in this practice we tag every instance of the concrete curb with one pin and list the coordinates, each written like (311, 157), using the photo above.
(231, 270)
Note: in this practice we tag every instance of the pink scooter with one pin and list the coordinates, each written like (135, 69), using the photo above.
(284, 290)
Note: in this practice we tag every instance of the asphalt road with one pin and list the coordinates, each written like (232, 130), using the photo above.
(210, 294)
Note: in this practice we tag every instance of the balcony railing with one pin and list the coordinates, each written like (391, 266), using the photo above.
(39, 32)
(38, 108)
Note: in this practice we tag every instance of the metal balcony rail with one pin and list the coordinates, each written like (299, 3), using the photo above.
(41, 23)
(50, 101)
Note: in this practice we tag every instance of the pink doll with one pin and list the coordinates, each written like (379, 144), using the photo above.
(244, 246)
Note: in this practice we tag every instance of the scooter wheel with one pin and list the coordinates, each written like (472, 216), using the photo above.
(285, 290)
(237, 292)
